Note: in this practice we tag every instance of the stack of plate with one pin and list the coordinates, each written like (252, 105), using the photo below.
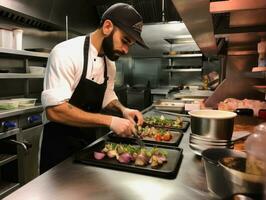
(199, 143)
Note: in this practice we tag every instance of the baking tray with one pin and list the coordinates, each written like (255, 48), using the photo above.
(177, 136)
(151, 111)
(169, 105)
(168, 170)
(183, 128)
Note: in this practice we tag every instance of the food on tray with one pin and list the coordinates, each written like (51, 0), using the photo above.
(133, 154)
(8, 104)
(155, 133)
(232, 104)
(258, 69)
(161, 121)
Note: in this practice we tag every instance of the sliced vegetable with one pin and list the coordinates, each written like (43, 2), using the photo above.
(99, 155)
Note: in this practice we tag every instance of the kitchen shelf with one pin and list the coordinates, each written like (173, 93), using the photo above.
(7, 188)
(183, 55)
(261, 75)
(20, 76)
(23, 53)
(6, 158)
(184, 70)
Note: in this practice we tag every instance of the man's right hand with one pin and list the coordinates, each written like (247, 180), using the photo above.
(122, 127)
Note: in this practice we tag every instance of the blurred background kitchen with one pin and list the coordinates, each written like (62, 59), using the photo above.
(208, 52)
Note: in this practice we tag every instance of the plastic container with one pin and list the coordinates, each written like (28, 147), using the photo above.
(36, 70)
(25, 102)
(256, 151)
(17, 39)
(8, 104)
(6, 38)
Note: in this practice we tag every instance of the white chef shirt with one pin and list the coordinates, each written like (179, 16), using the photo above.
(64, 69)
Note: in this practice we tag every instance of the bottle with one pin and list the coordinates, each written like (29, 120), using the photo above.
(262, 53)
(256, 151)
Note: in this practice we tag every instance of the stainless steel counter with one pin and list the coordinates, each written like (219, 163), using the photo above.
(20, 111)
(70, 180)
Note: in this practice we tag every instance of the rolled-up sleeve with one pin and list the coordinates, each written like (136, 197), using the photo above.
(110, 93)
(59, 80)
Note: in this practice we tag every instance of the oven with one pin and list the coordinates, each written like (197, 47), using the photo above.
(9, 175)
(20, 133)
(31, 127)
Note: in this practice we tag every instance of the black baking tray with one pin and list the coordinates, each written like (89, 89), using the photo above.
(184, 127)
(177, 136)
(168, 170)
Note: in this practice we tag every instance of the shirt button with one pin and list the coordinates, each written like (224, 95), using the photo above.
(94, 59)
(92, 78)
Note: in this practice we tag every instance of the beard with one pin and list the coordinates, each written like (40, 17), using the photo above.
(108, 48)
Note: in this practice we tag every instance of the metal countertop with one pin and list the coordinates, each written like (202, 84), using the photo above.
(70, 180)
(20, 111)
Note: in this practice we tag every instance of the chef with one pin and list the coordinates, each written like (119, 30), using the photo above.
(79, 82)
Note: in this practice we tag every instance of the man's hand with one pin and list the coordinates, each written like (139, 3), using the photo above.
(122, 127)
(131, 114)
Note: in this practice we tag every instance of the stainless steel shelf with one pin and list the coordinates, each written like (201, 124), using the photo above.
(7, 188)
(23, 53)
(183, 55)
(183, 70)
(20, 111)
(6, 158)
(20, 76)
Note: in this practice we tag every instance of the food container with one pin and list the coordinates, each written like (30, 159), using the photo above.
(169, 105)
(216, 182)
(36, 70)
(25, 102)
(8, 104)
(213, 124)
(239, 181)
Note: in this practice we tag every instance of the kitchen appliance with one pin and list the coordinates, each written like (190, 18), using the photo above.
(31, 128)
(139, 97)
(9, 176)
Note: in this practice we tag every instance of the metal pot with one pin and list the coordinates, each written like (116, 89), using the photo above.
(213, 124)
(233, 169)
(216, 182)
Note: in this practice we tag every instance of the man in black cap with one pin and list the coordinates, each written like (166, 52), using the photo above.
(79, 82)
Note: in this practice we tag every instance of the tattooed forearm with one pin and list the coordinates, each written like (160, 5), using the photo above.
(69, 106)
(115, 105)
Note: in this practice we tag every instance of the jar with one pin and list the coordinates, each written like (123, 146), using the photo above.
(256, 151)
(262, 54)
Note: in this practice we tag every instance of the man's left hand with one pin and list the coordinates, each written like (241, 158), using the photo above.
(132, 114)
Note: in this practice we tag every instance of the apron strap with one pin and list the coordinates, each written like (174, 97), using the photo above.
(105, 70)
(85, 56)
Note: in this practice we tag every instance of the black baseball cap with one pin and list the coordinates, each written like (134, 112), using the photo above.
(127, 19)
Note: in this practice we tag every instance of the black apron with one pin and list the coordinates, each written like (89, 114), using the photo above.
(60, 140)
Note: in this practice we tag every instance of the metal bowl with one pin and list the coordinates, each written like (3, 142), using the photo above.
(238, 180)
(216, 181)
(212, 124)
